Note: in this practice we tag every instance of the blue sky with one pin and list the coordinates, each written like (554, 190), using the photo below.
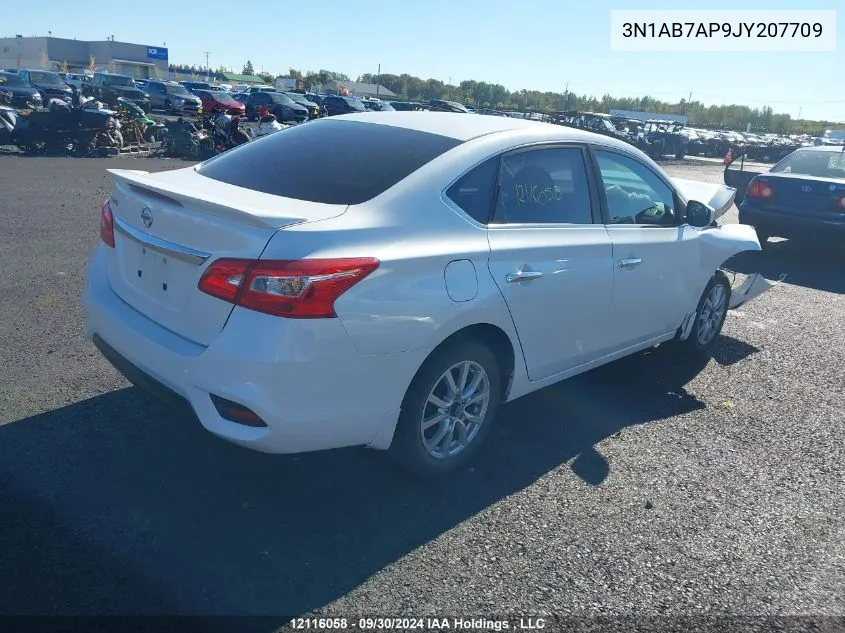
(533, 44)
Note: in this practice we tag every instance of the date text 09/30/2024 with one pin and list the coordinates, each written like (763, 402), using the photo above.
(421, 624)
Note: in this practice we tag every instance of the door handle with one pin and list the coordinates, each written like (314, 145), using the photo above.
(523, 275)
(631, 261)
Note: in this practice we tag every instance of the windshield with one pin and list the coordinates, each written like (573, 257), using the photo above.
(120, 80)
(357, 105)
(813, 163)
(296, 97)
(176, 90)
(11, 80)
(44, 77)
(278, 97)
(222, 95)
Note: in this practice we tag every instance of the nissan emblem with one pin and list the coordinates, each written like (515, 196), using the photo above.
(147, 216)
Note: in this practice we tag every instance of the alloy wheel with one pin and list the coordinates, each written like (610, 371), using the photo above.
(712, 313)
(455, 409)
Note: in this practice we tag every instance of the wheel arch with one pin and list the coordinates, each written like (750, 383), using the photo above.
(493, 337)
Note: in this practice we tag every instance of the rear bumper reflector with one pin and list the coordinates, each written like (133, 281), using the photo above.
(235, 412)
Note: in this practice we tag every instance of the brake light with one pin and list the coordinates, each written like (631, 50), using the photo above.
(300, 289)
(106, 224)
(759, 189)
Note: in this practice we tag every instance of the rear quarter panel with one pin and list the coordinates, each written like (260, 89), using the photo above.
(404, 304)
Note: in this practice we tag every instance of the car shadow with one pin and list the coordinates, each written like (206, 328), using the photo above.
(817, 265)
(115, 505)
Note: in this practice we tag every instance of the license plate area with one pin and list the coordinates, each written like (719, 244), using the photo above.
(156, 275)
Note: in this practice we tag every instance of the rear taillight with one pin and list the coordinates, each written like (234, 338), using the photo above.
(759, 189)
(106, 224)
(300, 289)
(841, 202)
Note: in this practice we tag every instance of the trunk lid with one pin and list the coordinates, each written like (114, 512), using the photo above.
(804, 194)
(170, 226)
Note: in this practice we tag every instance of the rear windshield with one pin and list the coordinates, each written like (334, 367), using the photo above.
(45, 77)
(813, 163)
(332, 162)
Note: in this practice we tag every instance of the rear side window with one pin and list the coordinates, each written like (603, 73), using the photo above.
(331, 162)
(473, 192)
(547, 186)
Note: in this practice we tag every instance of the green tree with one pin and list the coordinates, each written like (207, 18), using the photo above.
(293, 72)
(45, 60)
(112, 66)
(248, 69)
(92, 65)
(63, 68)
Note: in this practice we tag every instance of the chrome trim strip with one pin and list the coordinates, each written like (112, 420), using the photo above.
(170, 249)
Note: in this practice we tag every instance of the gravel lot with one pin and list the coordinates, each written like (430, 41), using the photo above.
(655, 486)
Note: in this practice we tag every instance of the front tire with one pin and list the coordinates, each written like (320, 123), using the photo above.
(710, 314)
(448, 410)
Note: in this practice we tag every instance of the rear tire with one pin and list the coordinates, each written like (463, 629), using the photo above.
(430, 410)
(710, 315)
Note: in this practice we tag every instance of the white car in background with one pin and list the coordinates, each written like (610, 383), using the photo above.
(389, 279)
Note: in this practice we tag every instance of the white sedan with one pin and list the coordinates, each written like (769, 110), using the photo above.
(389, 279)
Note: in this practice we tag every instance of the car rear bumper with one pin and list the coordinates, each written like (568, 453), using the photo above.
(303, 377)
(144, 104)
(795, 224)
(186, 107)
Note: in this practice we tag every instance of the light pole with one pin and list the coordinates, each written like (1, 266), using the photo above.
(378, 79)
(207, 67)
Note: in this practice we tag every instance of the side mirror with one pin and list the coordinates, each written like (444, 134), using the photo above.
(700, 214)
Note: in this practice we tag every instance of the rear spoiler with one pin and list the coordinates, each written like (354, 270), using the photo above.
(720, 197)
(216, 198)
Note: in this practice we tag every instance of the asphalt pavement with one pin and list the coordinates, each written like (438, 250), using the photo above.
(655, 486)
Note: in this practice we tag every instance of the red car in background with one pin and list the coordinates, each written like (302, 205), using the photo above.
(217, 100)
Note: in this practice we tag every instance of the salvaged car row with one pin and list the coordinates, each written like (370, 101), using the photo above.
(94, 114)
(659, 138)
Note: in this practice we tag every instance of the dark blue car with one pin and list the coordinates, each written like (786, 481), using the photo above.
(282, 106)
(802, 196)
(23, 95)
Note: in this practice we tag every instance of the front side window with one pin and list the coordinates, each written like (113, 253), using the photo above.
(634, 193)
(547, 186)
